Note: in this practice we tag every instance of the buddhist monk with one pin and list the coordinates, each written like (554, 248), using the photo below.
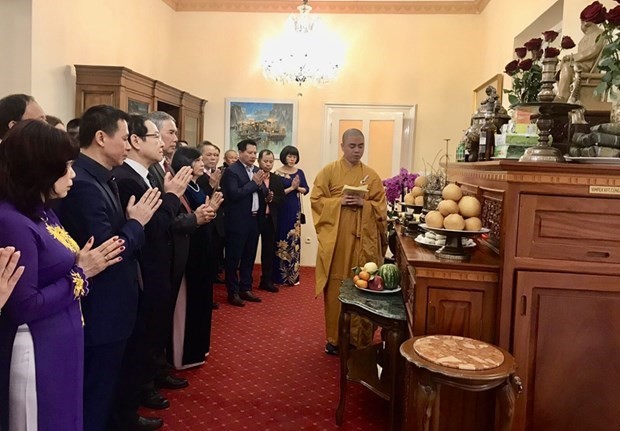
(351, 231)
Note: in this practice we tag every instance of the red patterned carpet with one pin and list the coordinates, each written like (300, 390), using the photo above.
(267, 371)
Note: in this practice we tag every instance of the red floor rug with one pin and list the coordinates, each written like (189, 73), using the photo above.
(267, 371)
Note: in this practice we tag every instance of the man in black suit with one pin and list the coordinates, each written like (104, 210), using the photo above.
(155, 260)
(244, 204)
(269, 224)
(210, 183)
(93, 209)
(183, 225)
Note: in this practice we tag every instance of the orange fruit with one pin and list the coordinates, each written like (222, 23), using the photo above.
(357, 277)
(362, 284)
(364, 275)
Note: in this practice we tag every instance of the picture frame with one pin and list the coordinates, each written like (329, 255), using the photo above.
(496, 81)
(271, 123)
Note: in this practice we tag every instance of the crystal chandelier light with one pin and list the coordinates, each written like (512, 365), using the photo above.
(306, 53)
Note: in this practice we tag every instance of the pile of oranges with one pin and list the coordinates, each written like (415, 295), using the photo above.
(361, 279)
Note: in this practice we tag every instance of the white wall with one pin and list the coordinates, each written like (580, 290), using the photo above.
(15, 46)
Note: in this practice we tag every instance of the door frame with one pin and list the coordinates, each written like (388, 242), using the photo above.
(407, 137)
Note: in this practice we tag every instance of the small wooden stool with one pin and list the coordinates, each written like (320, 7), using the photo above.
(464, 363)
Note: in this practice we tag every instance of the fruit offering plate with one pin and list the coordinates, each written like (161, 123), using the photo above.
(446, 232)
(380, 292)
(434, 241)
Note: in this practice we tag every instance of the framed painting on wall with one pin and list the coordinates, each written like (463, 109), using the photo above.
(271, 123)
(496, 81)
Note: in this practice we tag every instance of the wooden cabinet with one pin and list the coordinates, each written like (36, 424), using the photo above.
(449, 297)
(566, 342)
(452, 298)
(454, 312)
(137, 94)
(558, 302)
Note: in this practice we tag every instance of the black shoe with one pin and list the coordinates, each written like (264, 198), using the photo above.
(269, 287)
(235, 300)
(143, 423)
(248, 296)
(330, 349)
(171, 382)
(154, 400)
(215, 306)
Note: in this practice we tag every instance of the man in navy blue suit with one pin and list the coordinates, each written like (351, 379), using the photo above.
(244, 200)
(93, 209)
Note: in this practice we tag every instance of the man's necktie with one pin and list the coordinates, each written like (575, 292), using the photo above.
(117, 197)
(255, 205)
(266, 182)
(167, 167)
(152, 180)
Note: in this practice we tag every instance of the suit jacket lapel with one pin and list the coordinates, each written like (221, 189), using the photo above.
(159, 174)
(108, 192)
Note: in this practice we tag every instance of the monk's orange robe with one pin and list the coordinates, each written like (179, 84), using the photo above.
(348, 236)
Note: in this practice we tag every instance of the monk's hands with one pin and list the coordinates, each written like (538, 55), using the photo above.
(178, 184)
(94, 260)
(352, 200)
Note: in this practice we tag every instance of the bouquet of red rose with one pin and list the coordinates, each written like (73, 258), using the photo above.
(526, 73)
(609, 63)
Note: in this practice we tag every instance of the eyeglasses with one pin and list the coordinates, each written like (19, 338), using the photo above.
(152, 135)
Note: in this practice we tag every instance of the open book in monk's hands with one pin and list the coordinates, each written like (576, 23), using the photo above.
(355, 190)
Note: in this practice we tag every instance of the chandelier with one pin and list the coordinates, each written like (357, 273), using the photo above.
(306, 53)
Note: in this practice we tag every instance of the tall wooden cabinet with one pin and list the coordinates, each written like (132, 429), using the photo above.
(138, 94)
(558, 303)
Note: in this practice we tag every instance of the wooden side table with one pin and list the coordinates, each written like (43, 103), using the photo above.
(464, 363)
(360, 365)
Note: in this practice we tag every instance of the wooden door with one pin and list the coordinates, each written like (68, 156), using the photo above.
(567, 347)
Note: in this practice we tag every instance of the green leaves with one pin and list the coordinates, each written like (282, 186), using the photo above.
(610, 59)
(525, 85)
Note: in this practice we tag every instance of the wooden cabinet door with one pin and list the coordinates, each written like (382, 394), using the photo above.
(454, 312)
(567, 347)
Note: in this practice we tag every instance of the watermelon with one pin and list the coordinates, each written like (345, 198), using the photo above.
(390, 275)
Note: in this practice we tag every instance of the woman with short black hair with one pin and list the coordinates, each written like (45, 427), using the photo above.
(191, 338)
(288, 237)
(41, 335)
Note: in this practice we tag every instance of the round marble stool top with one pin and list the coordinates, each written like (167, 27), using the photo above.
(458, 352)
